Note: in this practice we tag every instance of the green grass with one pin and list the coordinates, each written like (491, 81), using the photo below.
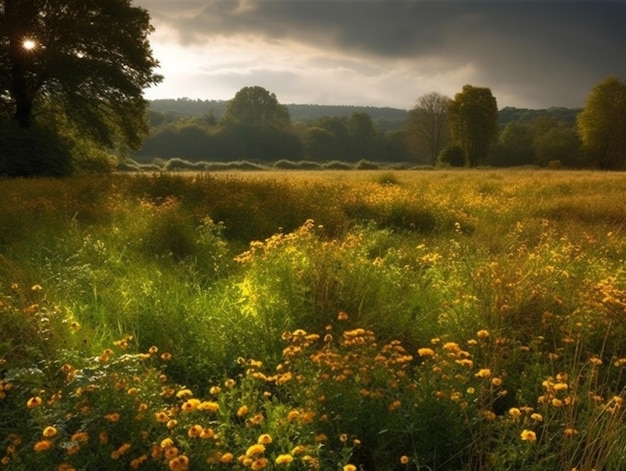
(389, 320)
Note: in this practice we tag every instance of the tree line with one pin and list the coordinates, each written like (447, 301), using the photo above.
(72, 76)
(467, 130)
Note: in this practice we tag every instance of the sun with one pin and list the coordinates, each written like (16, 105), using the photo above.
(29, 44)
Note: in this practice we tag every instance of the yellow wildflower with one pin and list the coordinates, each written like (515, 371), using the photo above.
(226, 458)
(483, 373)
(49, 432)
(528, 436)
(515, 412)
(33, 402)
(259, 463)
(284, 459)
(254, 450)
(195, 431)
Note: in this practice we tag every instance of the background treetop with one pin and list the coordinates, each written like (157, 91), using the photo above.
(256, 106)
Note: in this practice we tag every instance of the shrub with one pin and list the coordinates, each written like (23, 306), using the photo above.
(33, 152)
(453, 156)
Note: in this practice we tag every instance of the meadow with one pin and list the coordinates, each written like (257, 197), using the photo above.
(365, 320)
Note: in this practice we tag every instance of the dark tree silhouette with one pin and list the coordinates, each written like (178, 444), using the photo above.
(77, 64)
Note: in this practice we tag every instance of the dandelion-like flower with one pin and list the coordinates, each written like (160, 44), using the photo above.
(33, 402)
(426, 352)
(515, 412)
(298, 449)
(483, 373)
(259, 463)
(112, 417)
(257, 449)
(42, 445)
(226, 458)
(49, 432)
(528, 436)
(404, 459)
(264, 439)
(284, 459)
(195, 431)
(179, 463)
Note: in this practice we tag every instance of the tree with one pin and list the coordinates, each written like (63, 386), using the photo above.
(86, 61)
(453, 156)
(473, 118)
(363, 137)
(602, 124)
(559, 143)
(515, 146)
(428, 126)
(255, 106)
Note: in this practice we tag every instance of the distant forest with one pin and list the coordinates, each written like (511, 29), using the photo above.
(196, 131)
(385, 117)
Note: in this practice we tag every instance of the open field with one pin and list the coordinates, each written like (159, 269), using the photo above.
(375, 320)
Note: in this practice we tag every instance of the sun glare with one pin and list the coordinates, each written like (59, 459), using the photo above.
(29, 44)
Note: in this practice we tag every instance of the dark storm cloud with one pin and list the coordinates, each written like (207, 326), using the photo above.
(550, 52)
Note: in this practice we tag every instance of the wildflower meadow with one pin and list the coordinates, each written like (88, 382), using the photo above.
(411, 320)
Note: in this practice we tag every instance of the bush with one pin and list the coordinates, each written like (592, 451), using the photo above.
(33, 152)
(453, 156)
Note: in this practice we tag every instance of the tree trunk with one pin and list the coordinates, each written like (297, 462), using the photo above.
(19, 16)
(20, 93)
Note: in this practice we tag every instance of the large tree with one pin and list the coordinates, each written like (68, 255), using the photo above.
(427, 127)
(79, 65)
(473, 118)
(602, 124)
(257, 107)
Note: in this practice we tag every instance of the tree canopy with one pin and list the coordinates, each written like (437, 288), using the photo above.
(602, 124)
(256, 106)
(77, 66)
(427, 126)
(473, 118)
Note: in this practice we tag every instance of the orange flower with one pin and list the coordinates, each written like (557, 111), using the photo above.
(42, 445)
(33, 402)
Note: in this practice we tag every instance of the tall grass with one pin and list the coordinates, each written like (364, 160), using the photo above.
(384, 320)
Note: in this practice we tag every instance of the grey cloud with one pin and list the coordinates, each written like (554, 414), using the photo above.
(549, 51)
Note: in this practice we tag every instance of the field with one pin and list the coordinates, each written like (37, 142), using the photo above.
(363, 320)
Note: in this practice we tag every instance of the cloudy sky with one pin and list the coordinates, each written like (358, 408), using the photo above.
(532, 54)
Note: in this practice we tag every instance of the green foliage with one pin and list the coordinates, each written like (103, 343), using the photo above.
(601, 124)
(473, 116)
(258, 108)
(453, 155)
(92, 77)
